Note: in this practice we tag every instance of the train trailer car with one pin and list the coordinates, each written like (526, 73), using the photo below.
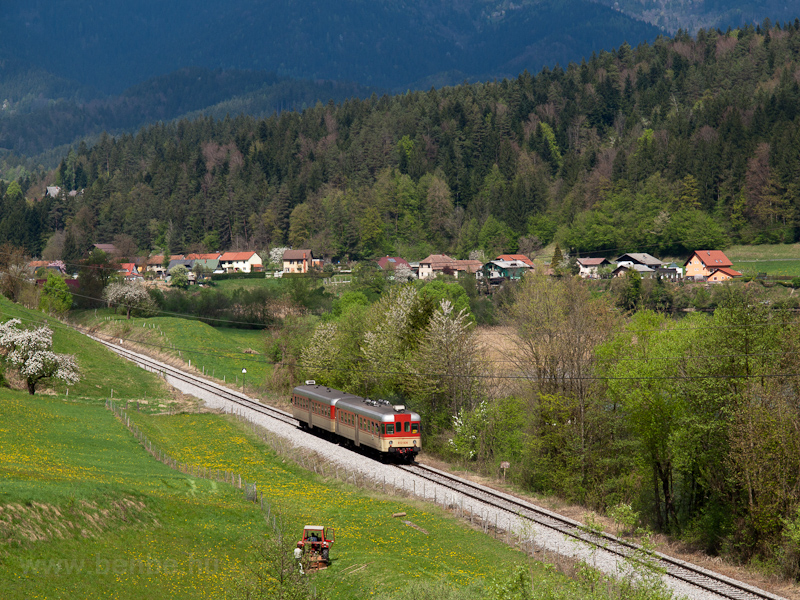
(388, 430)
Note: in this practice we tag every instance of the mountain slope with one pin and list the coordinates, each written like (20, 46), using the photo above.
(671, 15)
(390, 44)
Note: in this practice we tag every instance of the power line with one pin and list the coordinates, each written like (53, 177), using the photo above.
(433, 374)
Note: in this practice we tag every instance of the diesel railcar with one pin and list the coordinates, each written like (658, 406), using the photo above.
(387, 429)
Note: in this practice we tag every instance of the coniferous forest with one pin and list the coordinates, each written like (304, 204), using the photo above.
(689, 142)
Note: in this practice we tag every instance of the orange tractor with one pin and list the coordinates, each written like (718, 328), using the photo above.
(316, 542)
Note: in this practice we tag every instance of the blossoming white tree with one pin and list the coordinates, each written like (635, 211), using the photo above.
(128, 294)
(29, 351)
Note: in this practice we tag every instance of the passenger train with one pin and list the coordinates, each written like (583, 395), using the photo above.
(389, 430)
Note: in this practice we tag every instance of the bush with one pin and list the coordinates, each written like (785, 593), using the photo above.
(226, 276)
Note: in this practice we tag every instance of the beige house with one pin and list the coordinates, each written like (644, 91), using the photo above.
(435, 264)
(702, 263)
(299, 261)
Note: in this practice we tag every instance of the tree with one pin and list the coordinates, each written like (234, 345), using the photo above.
(648, 387)
(14, 271)
(273, 573)
(179, 277)
(128, 294)
(557, 326)
(29, 351)
(56, 297)
(95, 274)
(447, 364)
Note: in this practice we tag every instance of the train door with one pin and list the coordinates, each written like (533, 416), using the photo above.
(357, 424)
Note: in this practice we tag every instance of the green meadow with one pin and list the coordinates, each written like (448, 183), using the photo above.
(772, 259)
(86, 512)
(220, 352)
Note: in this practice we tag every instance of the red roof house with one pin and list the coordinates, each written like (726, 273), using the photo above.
(513, 257)
(703, 262)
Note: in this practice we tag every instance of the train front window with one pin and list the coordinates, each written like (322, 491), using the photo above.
(415, 428)
(390, 429)
(407, 426)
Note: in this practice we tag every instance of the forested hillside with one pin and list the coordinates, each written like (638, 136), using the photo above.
(672, 15)
(663, 148)
(42, 112)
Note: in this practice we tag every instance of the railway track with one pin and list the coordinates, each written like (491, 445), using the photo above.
(203, 386)
(697, 577)
(686, 572)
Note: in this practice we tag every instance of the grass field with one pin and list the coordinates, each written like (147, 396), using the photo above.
(772, 259)
(217, 351)
(85, 512)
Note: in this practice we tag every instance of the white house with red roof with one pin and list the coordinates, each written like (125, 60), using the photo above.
(703, 263)
(240, 262)
(130, 272)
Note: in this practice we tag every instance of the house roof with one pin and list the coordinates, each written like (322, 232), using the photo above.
(508, 264)
(209, 256)
(635, 267)
(53, 190)
(107, 248)
(711, 258)
(236, 256)
(392, 262)
(207, 263)
(299, 254)
(438, 261)
(470, 266)
(593, 262)
(521, 257)
(180, 261)
(727, 271)
(641, 258)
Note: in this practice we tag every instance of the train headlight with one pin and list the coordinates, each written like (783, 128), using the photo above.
(415, 442)
(391, 443)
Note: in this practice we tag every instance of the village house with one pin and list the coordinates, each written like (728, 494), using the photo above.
(589, 268)
(240, 262)
(639, 258)
(702, 264)
(436, 264)
(722, 274)
(109, 249)
(130, 272)
(56, 266)
(300, 261)
(496, 271)
(623, 268)
(392, 262)
(155, 264)
(513, 257)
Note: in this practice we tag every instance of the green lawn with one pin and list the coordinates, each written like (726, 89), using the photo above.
(217, 351)
(764, 252)
(87, 513)
(366, 532)
(780, 267)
